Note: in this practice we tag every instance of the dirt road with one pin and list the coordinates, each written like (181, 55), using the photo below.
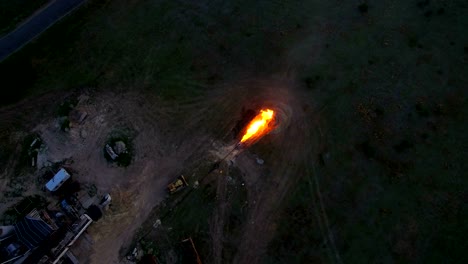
(268, 185)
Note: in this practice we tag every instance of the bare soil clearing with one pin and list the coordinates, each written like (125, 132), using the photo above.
(135, 189)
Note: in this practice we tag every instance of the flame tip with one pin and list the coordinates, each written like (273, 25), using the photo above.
(260, 125)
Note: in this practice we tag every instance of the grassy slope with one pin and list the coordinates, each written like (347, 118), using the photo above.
(379, 79)
(393, 75)
(100, 46)
(164, 46)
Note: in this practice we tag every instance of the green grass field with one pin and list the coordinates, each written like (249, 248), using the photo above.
(389, 90)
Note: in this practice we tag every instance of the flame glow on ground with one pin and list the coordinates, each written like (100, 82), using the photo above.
(260, 125)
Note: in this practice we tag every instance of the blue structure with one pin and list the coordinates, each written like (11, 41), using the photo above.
(32, 232)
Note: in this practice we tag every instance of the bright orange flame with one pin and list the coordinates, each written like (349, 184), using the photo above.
(260, 125)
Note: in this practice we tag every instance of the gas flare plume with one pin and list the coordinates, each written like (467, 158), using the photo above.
(261, 125)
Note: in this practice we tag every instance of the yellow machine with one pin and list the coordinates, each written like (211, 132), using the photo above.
(177, 185)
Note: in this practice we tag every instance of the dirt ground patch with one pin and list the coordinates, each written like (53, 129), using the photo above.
(266, 185)
(135, 189)
(163, 149)
(138, 187)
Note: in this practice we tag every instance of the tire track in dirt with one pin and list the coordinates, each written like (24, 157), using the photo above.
(167, 136)
(266, 187)
(152, 169)
(218, 220)
(154, 164)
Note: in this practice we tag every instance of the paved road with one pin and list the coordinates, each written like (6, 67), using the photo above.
(35, 25)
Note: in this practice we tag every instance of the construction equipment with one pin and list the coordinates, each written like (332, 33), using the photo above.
(177, 185)
(111, 152)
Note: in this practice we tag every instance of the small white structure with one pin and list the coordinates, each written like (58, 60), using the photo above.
(57, 180)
